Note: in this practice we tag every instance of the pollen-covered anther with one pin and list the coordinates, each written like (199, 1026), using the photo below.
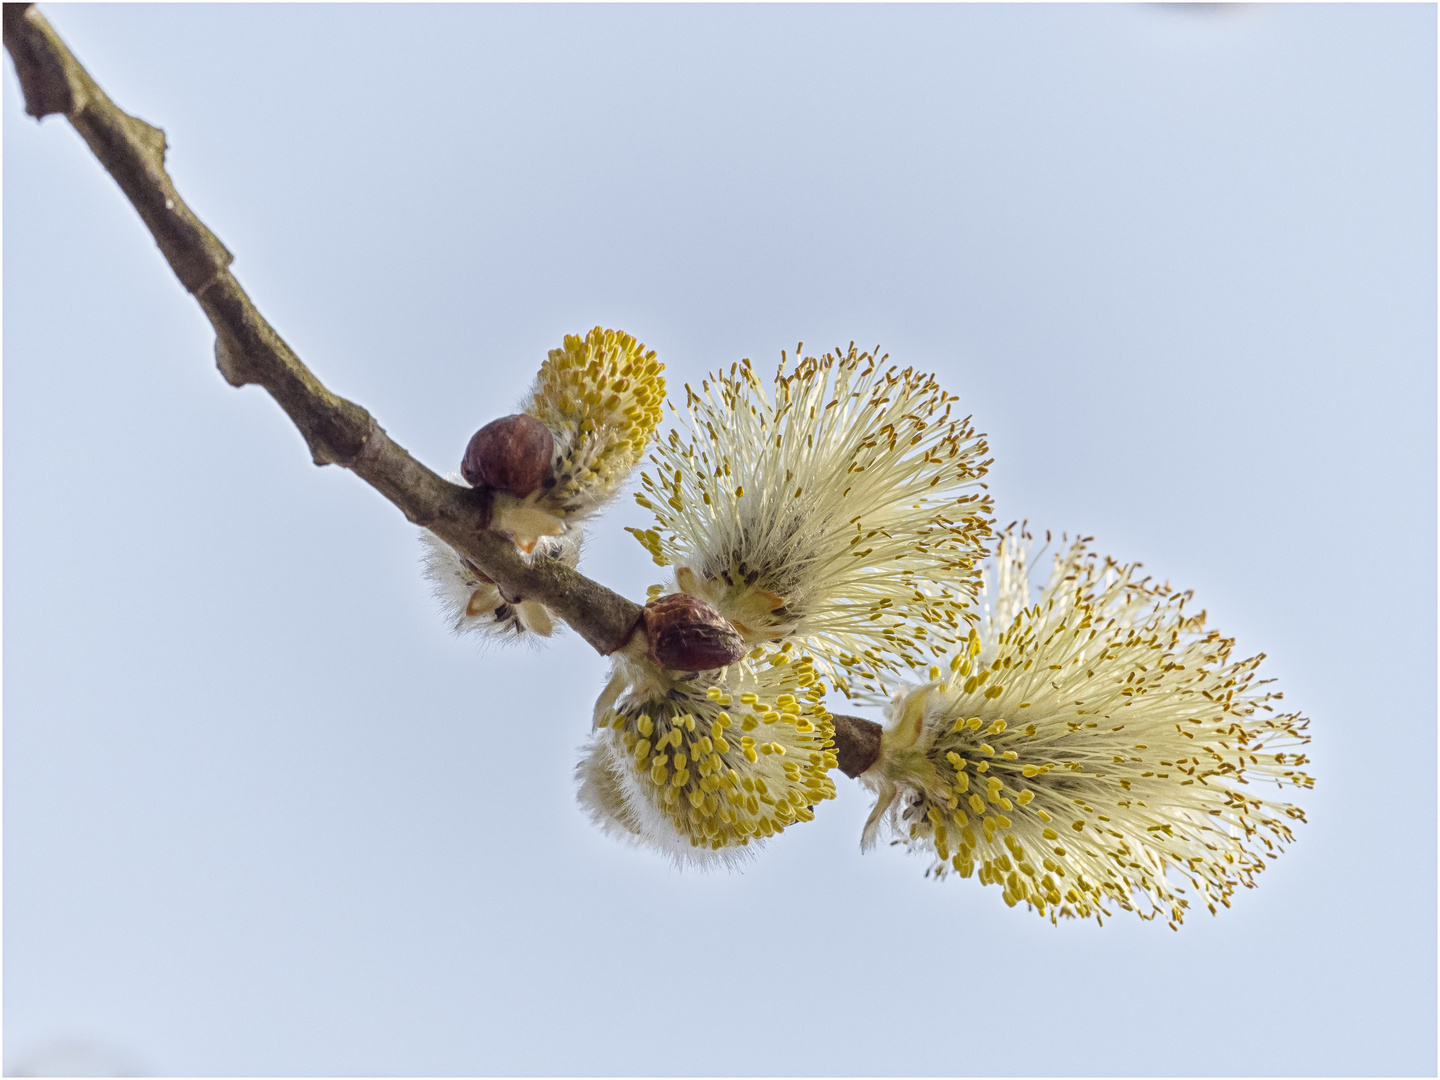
(684, 633)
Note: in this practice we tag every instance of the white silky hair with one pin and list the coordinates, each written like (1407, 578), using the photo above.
(610, 794)
(454, 582)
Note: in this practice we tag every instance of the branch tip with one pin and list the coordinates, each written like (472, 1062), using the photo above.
(42, 75)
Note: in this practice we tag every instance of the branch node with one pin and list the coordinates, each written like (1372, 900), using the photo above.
(230, 359)
(209, 283)
(365, 458)
(319, 454)
(152, 144)
(372, 448)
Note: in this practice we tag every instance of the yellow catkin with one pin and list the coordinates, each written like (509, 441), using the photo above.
(600, 438)
(693, 804)
(1147, 744)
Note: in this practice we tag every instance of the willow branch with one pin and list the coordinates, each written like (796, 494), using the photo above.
(248, 350)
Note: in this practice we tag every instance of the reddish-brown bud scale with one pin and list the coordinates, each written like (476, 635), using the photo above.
(512, 454)
(686, 634)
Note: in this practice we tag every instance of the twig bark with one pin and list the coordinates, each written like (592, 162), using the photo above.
(248, 350)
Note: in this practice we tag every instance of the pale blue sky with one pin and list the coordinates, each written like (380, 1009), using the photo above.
(264, 815)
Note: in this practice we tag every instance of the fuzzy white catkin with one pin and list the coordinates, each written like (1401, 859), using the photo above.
(471, 602)
(842, 509)
(1097, 746)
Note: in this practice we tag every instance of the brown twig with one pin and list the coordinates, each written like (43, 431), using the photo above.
(248, 350)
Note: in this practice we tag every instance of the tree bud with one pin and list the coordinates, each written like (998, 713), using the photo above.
(684, 633)
(512, 454)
